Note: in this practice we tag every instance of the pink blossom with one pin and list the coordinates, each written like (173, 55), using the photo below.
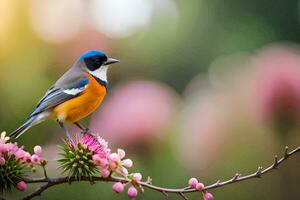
(20, 154)
(3, 148)
(199, 186)
(118, 187)
(193, 182)
(132, 192)
(127, 163)
(208, 196)
(37, 150)
(21, 186)
(2, 161)
(137, 177)
(35, 158)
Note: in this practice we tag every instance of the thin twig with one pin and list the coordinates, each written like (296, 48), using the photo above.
(147, 184)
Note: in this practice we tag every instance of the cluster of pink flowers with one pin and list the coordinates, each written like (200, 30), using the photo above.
(8, 148)
(109, 163)
(10, 151)
(194, 183)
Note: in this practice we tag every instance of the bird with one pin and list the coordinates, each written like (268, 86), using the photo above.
(75, 95)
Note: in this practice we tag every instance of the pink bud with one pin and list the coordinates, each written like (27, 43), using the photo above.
(114, 157)
(118, 187)
(137, 177)
(124, 171)
(35, 158)
(208, 196)
(112, 164)
(37, 150)
(21, 186)
(105, 173)
(127, 163)
(199, 186)
(132, 192)
(121, 153)
(27, 157)
(193, 182)
(2, 161)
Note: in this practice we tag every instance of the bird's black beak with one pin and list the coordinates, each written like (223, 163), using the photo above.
(111, 61)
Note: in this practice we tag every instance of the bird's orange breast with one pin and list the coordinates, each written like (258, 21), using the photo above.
(81, 106)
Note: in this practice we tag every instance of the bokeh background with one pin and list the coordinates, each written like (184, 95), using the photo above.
(205, 88)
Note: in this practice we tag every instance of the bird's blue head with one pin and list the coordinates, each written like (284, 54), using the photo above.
(94, 59)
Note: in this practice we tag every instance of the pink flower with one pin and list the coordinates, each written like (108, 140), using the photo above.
(127, 163)
(118, 187)
(199, 186)
(137, 177)
(2, 161)
(35, 158)
(193, 182)
(20, 154)
(21, 186)
(37, 150)
(208, 196)
(132, 192)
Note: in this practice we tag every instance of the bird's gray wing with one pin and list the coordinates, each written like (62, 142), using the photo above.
(57, 95)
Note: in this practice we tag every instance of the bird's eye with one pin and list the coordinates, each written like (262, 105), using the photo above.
(93, 63)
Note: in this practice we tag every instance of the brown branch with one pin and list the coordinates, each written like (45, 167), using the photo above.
(49, 182)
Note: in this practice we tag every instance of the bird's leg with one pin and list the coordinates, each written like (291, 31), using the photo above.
(65, 129)
(84, 129)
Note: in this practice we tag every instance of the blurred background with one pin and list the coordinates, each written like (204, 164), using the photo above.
(205, 88)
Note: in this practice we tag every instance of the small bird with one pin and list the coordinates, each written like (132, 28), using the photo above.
(75, 95)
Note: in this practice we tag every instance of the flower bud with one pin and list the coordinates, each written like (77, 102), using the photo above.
(2, 161)
(193, 182)
(35, 158)
(37, 150)
(199, 186)
(105, 173)
(132, 192)
(208, 196)
(114, 157)
(127, 163)
(121, 153)
(118, 187)
(21, 186)
(137, 177)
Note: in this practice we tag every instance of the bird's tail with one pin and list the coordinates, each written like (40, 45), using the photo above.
(19, 131)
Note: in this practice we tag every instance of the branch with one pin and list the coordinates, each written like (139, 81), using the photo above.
(49, 182)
